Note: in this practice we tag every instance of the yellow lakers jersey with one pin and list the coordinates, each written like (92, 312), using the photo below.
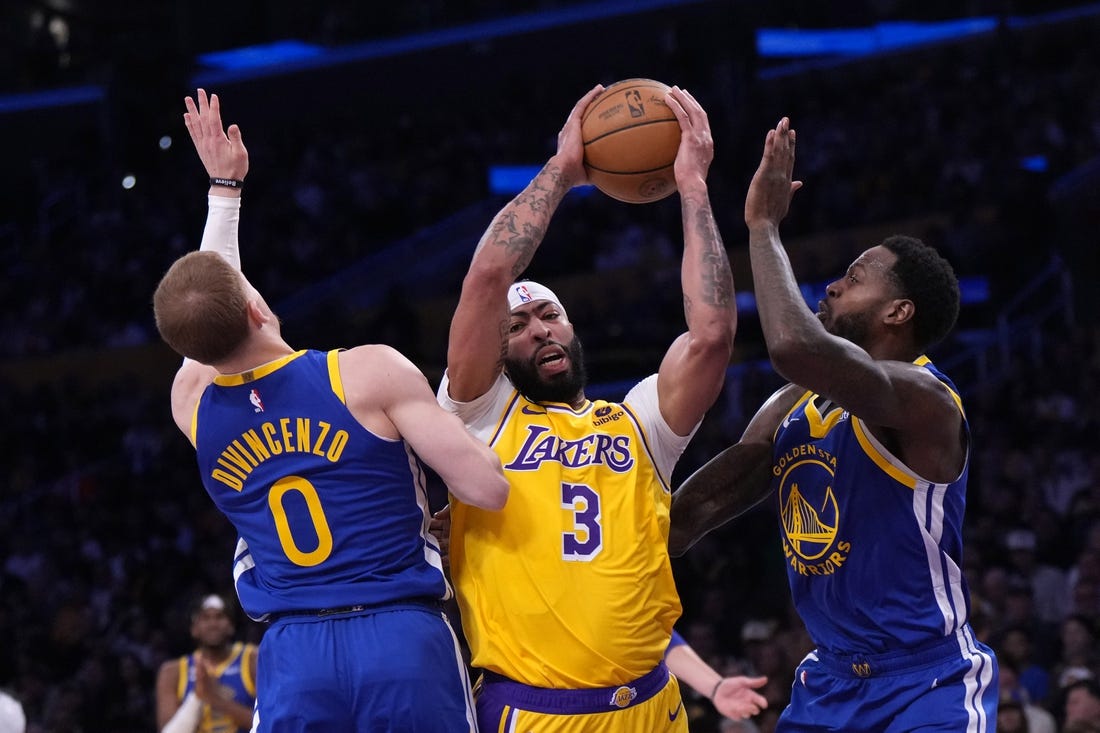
(570, 585)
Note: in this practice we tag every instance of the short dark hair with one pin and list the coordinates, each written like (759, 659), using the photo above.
(926, 278)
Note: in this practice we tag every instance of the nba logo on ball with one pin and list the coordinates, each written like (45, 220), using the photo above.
(631, 137)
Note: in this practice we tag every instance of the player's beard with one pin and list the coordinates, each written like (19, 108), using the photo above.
(563, 387)
(852, 326)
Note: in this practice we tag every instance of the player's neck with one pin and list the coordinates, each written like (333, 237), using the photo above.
(217, 654)
(255, 356)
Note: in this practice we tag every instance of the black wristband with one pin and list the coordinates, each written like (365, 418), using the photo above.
(227, 182)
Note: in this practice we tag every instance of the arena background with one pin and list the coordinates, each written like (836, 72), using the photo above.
(383, 139)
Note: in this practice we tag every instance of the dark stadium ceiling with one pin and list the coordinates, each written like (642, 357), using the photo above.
(50, 43)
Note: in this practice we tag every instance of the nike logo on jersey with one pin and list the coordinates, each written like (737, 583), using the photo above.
(673, 714)
(530, 411)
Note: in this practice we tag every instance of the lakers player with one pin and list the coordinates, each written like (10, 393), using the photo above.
(315, 457)
(211, 690)
(867, 454)
(567, 596)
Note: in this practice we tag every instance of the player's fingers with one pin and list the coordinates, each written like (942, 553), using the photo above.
(698, 113)
(677, 107)
(214, 119)
(234, 133)
(583, 102)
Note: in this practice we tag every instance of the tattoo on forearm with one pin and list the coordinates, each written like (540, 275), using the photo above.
(521, 227)
(714, 264)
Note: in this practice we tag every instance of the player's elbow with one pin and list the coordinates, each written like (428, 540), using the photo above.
(492, 494)
(498, 495)
(791, 358)
(486, 276)
(714, 340)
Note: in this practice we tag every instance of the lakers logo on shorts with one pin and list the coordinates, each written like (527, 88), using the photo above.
(623, 696)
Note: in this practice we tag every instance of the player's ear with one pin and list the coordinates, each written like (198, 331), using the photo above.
(900, 311)
(257, 314)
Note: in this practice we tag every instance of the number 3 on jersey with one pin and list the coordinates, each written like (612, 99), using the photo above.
(586, 539)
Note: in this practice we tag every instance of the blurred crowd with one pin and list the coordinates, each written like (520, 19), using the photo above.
(106, 535)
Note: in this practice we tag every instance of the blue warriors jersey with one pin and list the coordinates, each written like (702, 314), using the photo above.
(232, 680)
(570, 585)
(328, 513)
(873, 551)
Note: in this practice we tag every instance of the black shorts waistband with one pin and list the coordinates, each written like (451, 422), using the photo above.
(362, 609)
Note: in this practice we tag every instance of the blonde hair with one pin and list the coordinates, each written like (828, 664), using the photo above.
(201, 307)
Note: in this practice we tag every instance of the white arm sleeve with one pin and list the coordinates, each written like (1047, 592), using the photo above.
(186, 719)
(220, 234)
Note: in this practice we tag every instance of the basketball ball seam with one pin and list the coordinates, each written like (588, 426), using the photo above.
(632, 127)
(629, 173)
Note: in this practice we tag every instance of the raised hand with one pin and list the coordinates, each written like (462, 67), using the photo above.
(771, 189)
(222, 151)
(571, 141)
(696, 151)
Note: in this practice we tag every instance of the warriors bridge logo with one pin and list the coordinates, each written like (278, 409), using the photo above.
(810, 523)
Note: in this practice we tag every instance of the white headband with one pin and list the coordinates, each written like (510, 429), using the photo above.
(527, 291)
(213, 601)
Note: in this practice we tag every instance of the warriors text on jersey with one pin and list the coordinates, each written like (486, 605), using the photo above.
(329, 514)
(873, 551)
(232, 679)
(570, 585)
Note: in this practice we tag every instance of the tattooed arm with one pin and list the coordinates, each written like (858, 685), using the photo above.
(732, 482)
(694, 368)
(479, 327)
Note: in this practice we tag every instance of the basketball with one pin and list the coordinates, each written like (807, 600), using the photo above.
(630, 141)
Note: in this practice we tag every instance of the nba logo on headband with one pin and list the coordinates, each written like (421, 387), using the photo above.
(527, 291)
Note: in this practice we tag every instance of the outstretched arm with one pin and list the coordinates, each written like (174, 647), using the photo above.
(694, 369)
(224, 155)
(732, 482)
(883, 393)
(381, 384)
(733, 697)
(479, 328)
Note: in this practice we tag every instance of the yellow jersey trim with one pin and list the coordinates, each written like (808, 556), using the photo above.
(246, 669)
(195, 422)
(234, 380)
(334, 374)
(865, 442)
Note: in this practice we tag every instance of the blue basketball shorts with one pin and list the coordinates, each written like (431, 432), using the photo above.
(394, 668)
(947, 686)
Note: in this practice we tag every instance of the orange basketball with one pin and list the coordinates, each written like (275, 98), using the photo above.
(630, 141)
